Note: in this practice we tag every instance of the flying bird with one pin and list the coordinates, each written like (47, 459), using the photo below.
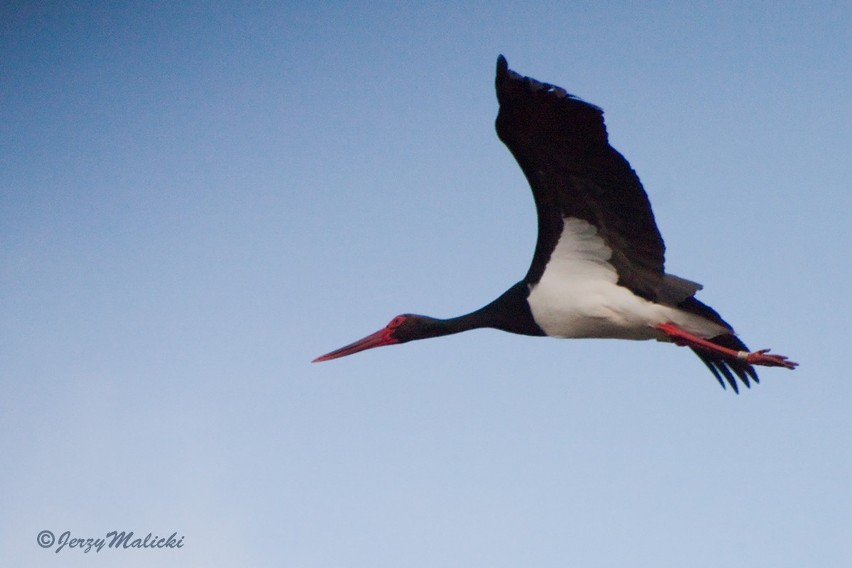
(598, 265)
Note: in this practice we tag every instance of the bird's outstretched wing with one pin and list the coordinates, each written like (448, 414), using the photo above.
(561, 144)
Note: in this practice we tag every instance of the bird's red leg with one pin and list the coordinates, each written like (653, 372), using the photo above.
(762, 357)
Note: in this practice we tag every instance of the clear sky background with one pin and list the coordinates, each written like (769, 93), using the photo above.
(196, 201)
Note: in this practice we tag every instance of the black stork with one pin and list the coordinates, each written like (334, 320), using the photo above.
(597, 270)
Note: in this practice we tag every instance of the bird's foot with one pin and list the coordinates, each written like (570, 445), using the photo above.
(763, 357)
(680, 336)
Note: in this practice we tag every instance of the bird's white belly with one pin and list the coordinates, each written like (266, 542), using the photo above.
(596, 309)
(577, 296)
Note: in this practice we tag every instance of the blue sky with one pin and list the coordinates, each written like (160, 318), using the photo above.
(196, 201)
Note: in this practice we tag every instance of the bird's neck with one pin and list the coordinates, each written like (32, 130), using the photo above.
(509, 312)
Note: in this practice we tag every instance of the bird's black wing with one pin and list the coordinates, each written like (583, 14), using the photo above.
(561, 144)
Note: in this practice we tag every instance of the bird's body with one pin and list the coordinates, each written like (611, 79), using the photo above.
(578, 295)
(598, 265)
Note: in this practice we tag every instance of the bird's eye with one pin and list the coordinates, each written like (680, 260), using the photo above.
(396, 322)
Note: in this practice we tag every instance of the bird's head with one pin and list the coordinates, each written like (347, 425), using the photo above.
(400, 329)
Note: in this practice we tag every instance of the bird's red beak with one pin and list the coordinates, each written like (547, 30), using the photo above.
(378, 339)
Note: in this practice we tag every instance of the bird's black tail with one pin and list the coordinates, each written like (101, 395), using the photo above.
(725, 369)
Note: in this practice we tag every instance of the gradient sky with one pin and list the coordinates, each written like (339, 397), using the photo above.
(196, 201)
